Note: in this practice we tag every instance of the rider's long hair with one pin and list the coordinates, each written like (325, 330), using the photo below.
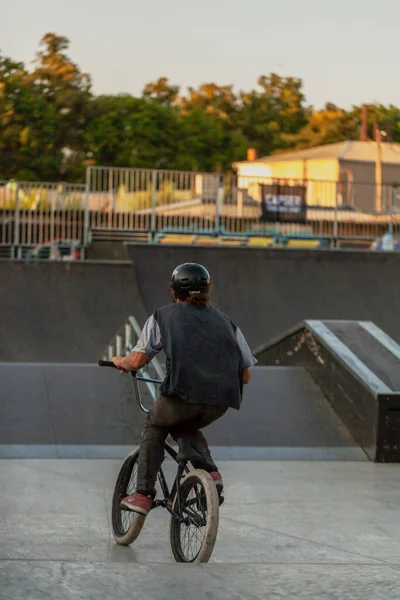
(201, 299)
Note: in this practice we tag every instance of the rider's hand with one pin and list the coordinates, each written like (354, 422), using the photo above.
(118, 360)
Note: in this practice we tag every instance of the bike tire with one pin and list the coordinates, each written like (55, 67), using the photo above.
(126, 525)
(206, 500)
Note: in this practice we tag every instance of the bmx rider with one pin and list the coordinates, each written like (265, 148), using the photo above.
(207, 363)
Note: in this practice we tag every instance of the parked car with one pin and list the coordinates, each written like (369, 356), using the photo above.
(67, 250)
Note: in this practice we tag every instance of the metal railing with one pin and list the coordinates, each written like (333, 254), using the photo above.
(159, 201)
(35, 213)
(148, 199)
(162, 201)
(124, 342)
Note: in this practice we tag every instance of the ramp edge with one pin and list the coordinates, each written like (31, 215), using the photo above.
(342, 453)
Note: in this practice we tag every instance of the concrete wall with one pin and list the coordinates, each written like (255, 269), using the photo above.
(59, 404)
(81, 410)
(63, 312)
(268, 291)
(57, 312)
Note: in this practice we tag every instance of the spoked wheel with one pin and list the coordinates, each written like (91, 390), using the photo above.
(126, 524)
(192, 539)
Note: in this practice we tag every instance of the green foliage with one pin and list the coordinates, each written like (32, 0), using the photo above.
(161, 91)
(326, 126)
(43, 114)
(272, 113)
(52, 126)
(132, 132)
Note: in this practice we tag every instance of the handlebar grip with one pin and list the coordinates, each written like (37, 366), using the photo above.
(109, 363)
(106, 363)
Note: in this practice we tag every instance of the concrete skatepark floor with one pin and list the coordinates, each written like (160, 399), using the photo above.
(287, 530)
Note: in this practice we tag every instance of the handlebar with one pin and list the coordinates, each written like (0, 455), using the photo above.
(136, 378)
(106, 363)
(109, 363)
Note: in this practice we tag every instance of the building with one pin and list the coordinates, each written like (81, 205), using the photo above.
(355, 174)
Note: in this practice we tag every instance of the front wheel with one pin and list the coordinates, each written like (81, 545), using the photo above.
(126, 524)
(193, 536)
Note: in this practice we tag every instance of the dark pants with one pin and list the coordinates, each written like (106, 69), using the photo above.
(183, 421)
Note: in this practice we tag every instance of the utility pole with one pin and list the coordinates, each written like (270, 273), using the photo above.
(378, 168)
(389, 136)
(364, 123)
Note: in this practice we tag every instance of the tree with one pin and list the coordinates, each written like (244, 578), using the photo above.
(43, 115)
(212, 137)
(52, 127)
(285, 101)
(387, 117)
(65, 108)
(19, 107)
(327, 126)
(132, 132)
(161, 91)
(206, 144)
(333, 124)
(11, 74)
(55, 70)
(215, 100)
(269, 115)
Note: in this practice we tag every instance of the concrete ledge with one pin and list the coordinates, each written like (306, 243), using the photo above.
(342, 453)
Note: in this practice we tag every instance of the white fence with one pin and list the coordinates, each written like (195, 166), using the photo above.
(154, 201)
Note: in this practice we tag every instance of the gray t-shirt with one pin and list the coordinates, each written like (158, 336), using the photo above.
(205, 353)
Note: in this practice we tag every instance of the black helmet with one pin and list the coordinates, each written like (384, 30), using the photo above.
(190, 279)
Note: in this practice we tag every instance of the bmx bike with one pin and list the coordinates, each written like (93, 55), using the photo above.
(193, 501)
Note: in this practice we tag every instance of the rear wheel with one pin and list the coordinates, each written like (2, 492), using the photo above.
(126, 524)
(193, 539)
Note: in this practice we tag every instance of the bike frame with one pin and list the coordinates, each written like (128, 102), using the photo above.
(166, 502)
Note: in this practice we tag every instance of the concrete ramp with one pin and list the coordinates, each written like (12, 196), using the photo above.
(284, 415)
(66, 410)
(266, 291)
(69, 410)
(64, 312)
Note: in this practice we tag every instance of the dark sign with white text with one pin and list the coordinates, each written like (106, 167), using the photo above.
(283, 203)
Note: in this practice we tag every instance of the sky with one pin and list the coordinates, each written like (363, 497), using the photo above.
(345, 51)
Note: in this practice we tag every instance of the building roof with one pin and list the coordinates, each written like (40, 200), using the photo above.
(349, 150)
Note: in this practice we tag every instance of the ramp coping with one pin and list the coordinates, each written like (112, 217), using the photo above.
(348, 358)
(381, 337)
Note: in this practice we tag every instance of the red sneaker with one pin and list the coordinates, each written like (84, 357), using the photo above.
(138, 503)
(218, 481)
